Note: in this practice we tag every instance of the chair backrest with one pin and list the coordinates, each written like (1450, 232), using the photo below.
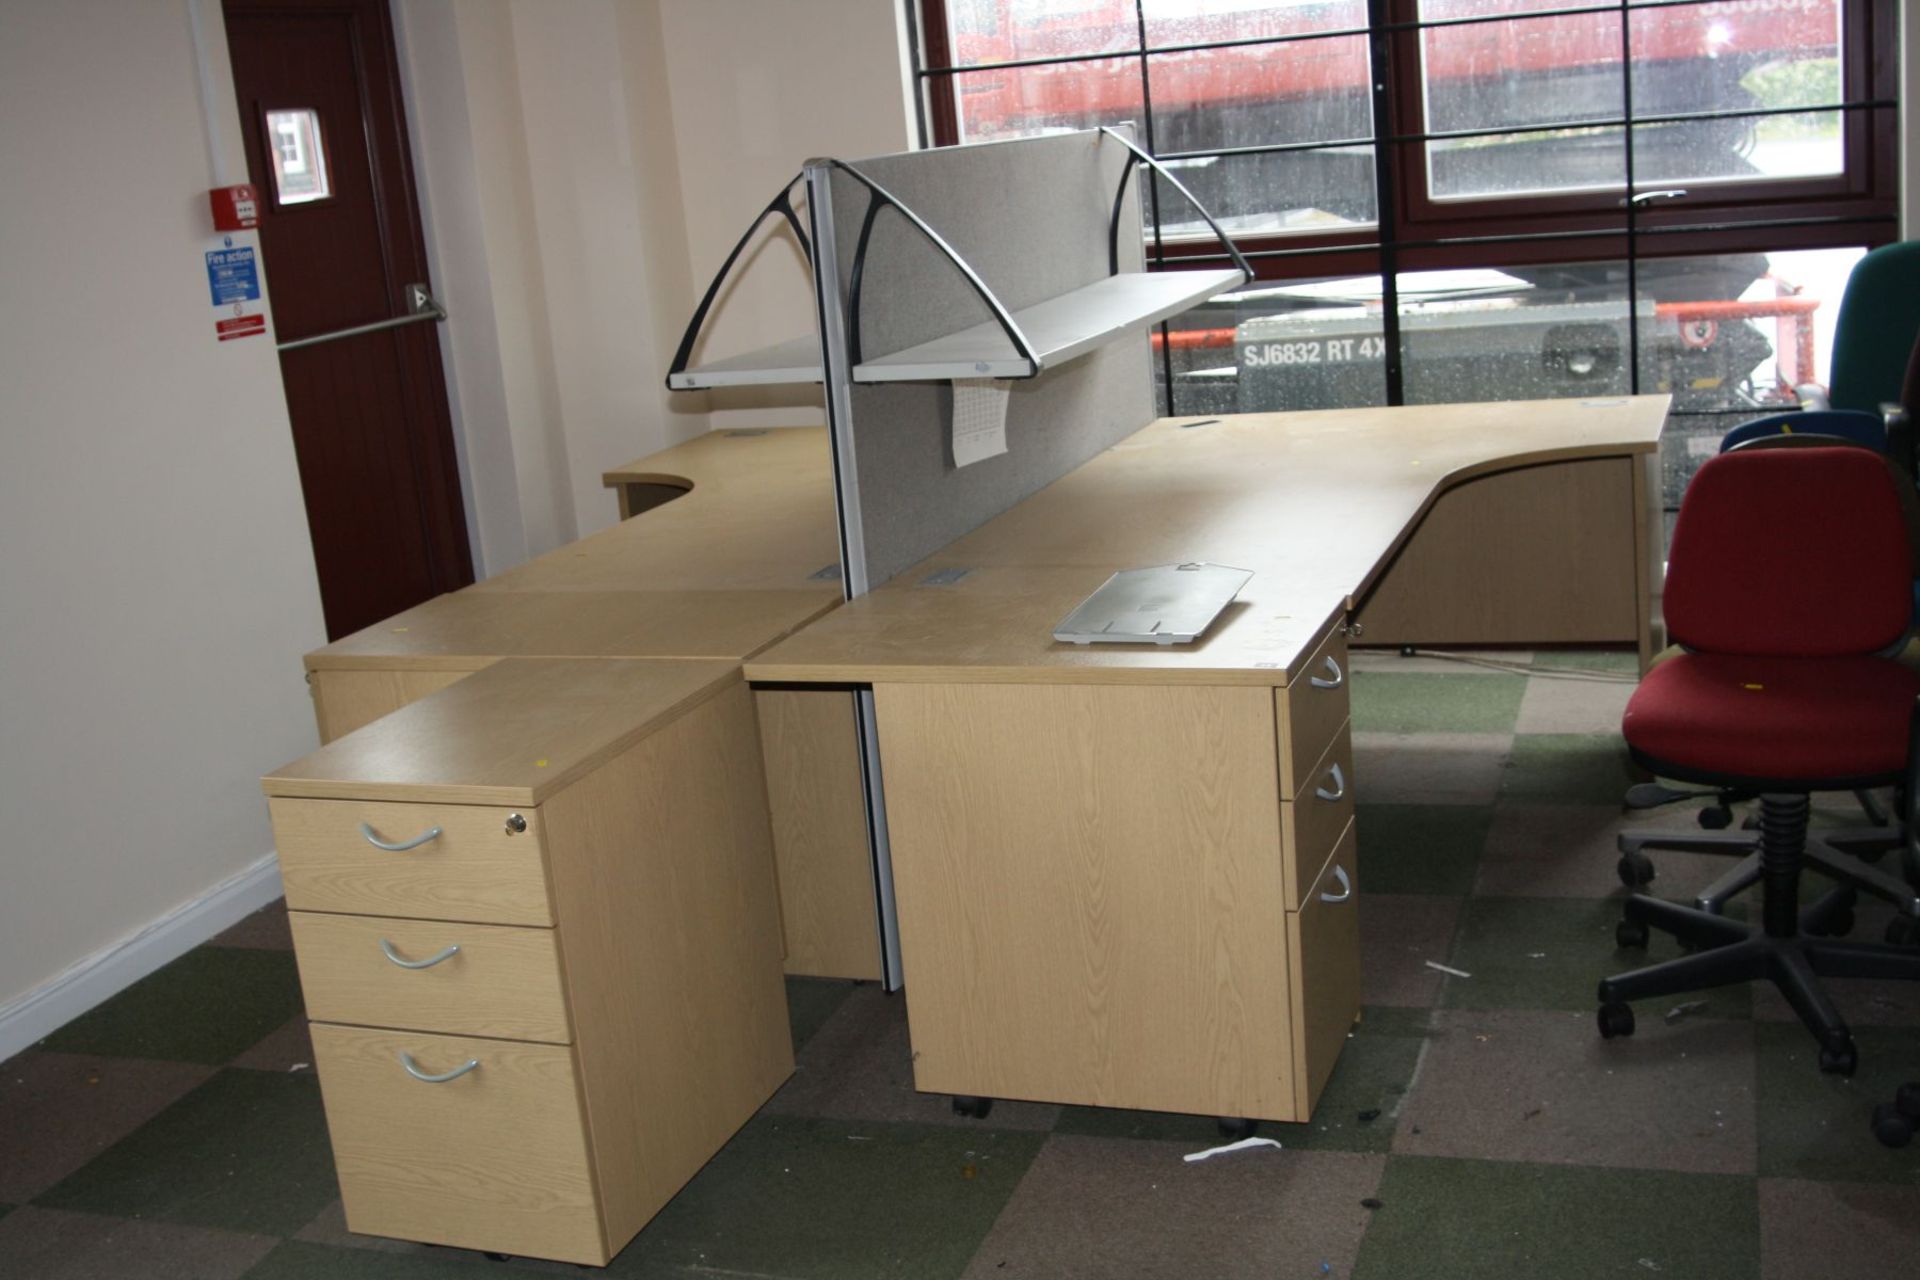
(1800, 552)
(1900, 428)
(1861, 428)
(1874, 334)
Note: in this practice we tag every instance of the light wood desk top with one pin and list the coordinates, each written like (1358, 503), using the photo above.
(467, 630)
(512, 734)
(758, 516)
(1315, 504)
(721, 572)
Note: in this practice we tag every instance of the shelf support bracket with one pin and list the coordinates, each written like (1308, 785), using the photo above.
(878, 198)
(1137, 156)
(782, 204)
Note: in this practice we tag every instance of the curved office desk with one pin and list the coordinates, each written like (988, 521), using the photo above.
(1126, 876)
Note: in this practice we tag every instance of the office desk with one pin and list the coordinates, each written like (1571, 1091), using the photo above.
(721, 571)
(1125, 874)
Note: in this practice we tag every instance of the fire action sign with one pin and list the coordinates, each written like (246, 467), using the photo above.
(233, 278)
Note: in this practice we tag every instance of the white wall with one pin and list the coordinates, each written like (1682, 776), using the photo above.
(584, 169)
(759, 87)
(549, 183)
(157, 582)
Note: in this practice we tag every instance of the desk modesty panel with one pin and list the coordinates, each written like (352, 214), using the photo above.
(536, 925)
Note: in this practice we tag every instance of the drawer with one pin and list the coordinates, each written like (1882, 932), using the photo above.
(1309, 710)
(474, 869)
(1324, 940)
(494, 1159)
(470, 979)
(1311, 823)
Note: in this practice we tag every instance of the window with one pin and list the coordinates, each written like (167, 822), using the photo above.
(299, 157)
(1473, 199)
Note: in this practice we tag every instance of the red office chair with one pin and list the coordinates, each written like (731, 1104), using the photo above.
(1791, 574)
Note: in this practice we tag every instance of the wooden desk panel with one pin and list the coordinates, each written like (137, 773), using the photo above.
(1537, 555)
(828, 914)
(1092, 908)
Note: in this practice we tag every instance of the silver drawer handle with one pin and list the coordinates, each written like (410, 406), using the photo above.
(366, 833)
(386, 949)
(1333, 669)
(1346, 886)
(413, 1069)
(1339, 784)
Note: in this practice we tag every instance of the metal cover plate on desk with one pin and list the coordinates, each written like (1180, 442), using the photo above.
(1167, 604)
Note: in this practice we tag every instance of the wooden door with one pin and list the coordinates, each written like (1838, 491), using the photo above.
(326, 140)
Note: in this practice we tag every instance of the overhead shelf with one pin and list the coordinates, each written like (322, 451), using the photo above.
(796, 360)
(1011, 344)
(1059, 328)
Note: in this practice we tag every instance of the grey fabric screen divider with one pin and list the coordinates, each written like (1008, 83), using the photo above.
(1031, 218)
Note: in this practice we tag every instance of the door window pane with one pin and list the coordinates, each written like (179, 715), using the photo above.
(299, 156)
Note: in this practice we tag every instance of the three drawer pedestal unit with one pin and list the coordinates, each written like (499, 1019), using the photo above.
(539, 939)
(1129, 893)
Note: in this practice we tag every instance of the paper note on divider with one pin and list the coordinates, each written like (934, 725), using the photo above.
(979, 419)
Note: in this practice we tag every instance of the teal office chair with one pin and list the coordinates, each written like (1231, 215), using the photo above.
(1874, 333)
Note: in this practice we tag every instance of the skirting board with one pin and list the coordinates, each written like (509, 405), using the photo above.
(30, 1017)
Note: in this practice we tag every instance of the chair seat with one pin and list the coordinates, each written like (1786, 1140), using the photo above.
(1797, 723)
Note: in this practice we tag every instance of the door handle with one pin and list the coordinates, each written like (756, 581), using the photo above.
(421, 308)
(1339, 677)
